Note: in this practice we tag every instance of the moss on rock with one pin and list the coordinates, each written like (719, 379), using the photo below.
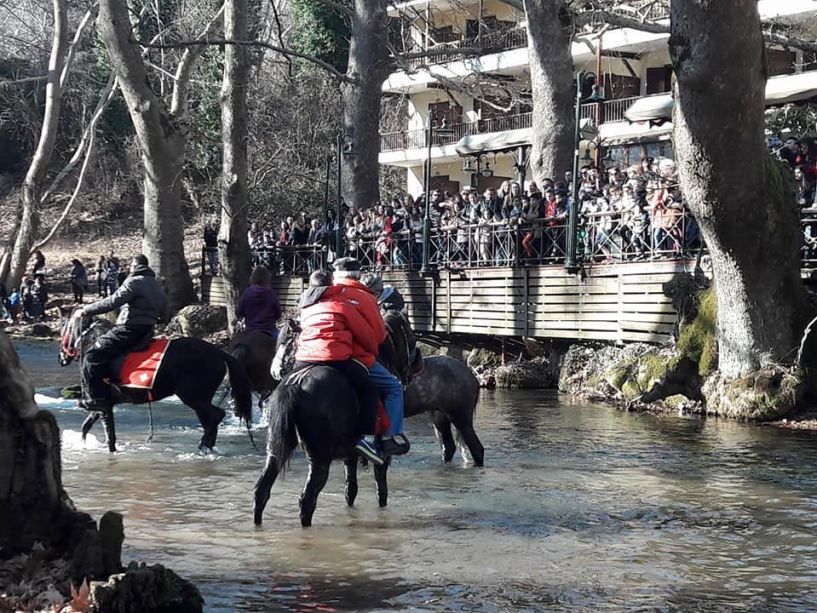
(698, 341)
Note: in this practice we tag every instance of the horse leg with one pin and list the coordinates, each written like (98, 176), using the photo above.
(442, 428)
(351, 480)
(263, 487)
(110, 429)
(89, 423)
(315, 480)
(382, 485)
(465, 426)
(210, 417)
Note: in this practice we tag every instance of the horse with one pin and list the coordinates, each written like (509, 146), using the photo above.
(318, 406)
(255, 351)
(191, 368)
(444, 386)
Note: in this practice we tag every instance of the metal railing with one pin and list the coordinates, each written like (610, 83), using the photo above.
(486, 43)
(414, 139)
(280, 260)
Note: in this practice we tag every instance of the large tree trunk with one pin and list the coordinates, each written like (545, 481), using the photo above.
(747, 217)
(234, 248)
(551, 76)
(162, 144)
(369, 66)
(38, 170)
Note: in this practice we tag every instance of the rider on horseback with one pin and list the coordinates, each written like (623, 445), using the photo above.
(347, 275)
(142, 303)
(394, 440)
(335, 333)
(259, 305)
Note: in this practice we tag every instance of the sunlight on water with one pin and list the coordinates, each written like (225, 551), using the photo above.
(579, 507)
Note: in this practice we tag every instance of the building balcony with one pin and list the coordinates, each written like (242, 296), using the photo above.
(612, 111)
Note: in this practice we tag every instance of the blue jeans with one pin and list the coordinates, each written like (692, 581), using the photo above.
(391, 389)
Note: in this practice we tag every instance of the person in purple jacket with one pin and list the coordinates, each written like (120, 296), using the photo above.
(259, 306)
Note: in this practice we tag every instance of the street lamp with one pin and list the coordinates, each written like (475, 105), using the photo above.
(442, 129)
(344, 147)
(573, 218)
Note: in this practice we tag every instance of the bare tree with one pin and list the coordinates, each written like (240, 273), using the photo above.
(550, 33)
(162, 138)
(750, 225)
(12, 265)
(234, 249)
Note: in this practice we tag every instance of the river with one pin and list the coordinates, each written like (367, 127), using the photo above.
(579, 507)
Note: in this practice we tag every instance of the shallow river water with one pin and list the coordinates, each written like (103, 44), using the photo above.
(579, 507)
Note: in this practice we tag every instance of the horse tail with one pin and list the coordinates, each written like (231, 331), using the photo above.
(241, 389)
(282, 438)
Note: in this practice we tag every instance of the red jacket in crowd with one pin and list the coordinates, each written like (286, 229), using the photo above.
(345, 323)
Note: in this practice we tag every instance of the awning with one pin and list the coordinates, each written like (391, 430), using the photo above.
(507, 140)
(779, 90)
(623, 133)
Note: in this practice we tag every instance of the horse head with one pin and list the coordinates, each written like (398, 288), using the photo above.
(401, 356)
(285, 351)
(76, 337)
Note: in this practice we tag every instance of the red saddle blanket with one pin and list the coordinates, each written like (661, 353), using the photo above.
(383, 422)
(140, 367)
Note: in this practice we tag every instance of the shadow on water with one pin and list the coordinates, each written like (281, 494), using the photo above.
(579, 507)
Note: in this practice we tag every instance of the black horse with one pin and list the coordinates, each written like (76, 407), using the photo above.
(320, 407)
(191, 368)
(255, 351)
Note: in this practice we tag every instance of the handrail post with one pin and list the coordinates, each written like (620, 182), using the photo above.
(570, 257)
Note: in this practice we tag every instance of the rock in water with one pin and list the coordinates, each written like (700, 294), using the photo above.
(198, 321)
(144, 588)
(41, 330)
(111, 536)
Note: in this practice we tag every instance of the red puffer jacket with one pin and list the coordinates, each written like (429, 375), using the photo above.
(358, 295)
(334, 330)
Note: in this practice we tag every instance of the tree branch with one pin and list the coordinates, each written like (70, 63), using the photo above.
(90, 14)
(253, 43)
(178, 103)
(104, 100)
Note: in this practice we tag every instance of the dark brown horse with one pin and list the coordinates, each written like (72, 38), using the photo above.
(255, 351)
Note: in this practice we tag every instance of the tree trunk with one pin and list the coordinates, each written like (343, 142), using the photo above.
(551, 76)
(234, 248)
(38, 170)
(737, 194)
(162, 145)
(369, 66)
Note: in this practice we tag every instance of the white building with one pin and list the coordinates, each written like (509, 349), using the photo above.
(633, 65)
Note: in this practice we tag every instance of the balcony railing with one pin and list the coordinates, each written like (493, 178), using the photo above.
(414, 139)
(486, 43)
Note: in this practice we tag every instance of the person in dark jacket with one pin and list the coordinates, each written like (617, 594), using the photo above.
(101, 265)
(142, 304)
(259, 306)
(211, 245)
(39, 262)
(39, 298)
(79, 279)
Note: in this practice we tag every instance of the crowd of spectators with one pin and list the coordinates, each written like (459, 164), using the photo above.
(630, 213)
(27, 302)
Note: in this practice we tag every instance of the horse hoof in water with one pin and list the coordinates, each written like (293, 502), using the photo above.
(207, 451)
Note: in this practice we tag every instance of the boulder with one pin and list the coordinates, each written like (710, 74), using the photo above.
(145, 588)
(484, 358)
(198, 321)
(534, 374)
(41, 330)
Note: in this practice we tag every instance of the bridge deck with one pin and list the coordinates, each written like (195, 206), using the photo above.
(614, 302)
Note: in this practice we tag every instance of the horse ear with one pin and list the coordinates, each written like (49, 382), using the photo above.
(65, 311)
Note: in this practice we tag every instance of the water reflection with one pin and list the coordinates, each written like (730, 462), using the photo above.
(579, 507)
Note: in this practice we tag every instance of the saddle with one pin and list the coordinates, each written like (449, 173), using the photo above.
(137, 368)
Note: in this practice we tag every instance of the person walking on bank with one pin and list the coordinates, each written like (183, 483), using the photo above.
(79, 279)
(39, 262)
(101, 265)
(142, 304)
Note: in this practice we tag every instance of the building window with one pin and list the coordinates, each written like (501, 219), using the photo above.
(659, 80)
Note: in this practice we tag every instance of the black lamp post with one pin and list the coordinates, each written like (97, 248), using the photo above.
(571, 264)
(344, 147)
(442, 129)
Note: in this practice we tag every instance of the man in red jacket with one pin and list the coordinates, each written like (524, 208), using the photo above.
(334, 332)
(347, 276)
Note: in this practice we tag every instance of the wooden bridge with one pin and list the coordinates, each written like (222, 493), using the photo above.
(610, 302)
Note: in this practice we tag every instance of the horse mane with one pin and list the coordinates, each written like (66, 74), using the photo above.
(399, 346)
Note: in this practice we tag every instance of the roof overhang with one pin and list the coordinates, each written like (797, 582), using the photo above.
(507, 140)
(779, 90)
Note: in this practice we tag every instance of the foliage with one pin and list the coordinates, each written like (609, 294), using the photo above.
(792, 120)
(698, 340)
(320, 31)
